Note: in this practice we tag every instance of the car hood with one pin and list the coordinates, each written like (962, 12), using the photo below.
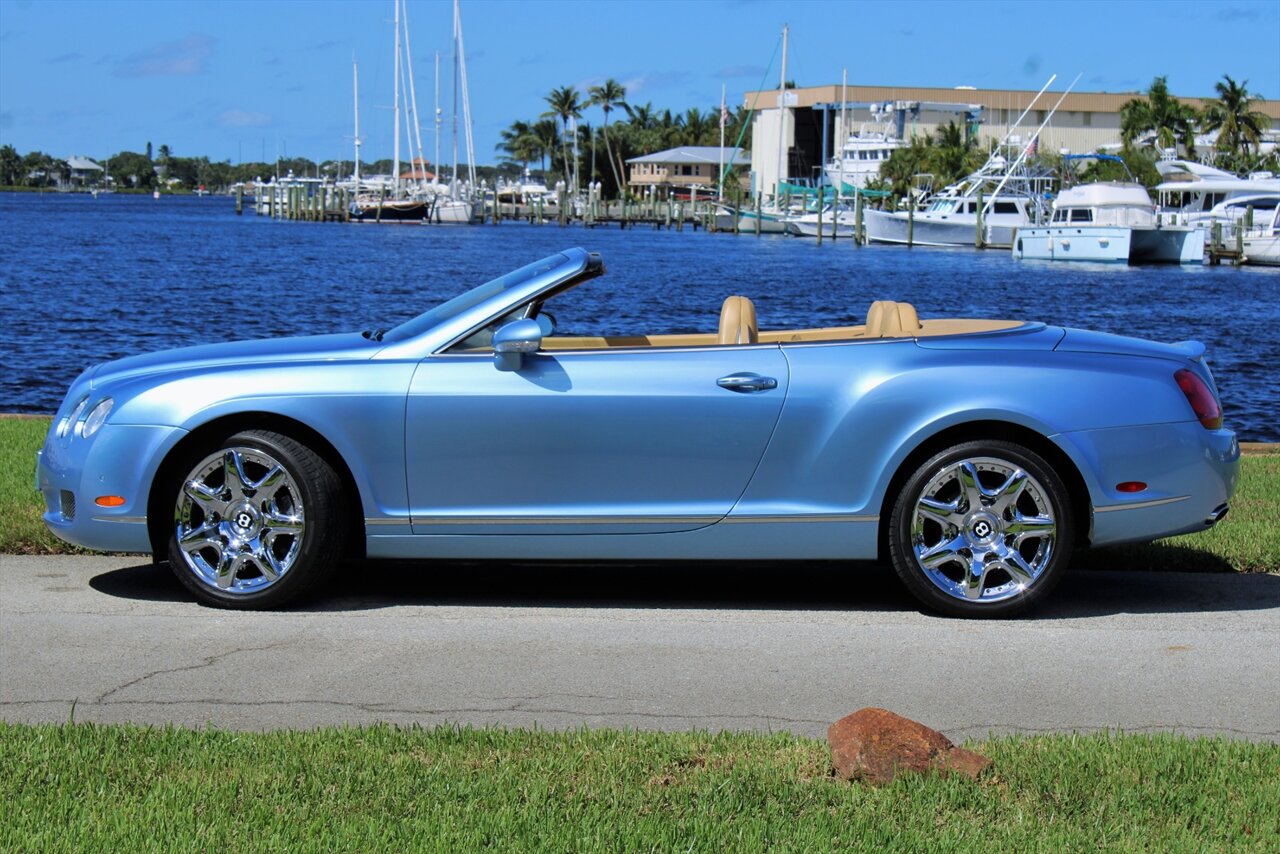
(340, 346)
(1084, 341)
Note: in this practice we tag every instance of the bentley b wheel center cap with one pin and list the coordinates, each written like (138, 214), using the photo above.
(244, 520)
(982, 528)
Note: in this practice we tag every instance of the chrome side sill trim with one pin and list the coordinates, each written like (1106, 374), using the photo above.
(566, 520)
(831, 517)
(1141, 504)
(131, 520)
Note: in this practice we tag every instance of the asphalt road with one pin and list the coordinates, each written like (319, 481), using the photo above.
(680, 647)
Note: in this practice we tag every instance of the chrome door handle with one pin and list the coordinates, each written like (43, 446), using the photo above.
(747, 382)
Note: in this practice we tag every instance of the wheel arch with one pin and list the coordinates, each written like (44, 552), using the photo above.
(219, 428)
(969, 431)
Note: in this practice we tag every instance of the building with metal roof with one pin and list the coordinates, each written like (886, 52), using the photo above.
(81, 171)
(1084, 121)
(687, 168)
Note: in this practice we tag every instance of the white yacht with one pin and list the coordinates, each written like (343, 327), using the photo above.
(1193, 194)
(860, 158)
(950, 218)
(1109, 221)
(525, 190)
(1012, 198)
(836, 221)
(1261, 244)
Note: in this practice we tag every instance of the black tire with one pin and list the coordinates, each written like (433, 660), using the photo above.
(980, 556)
(291, 524)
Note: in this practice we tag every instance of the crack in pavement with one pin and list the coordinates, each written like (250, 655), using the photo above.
(208, 661)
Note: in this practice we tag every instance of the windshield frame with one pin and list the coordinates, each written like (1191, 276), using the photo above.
(488, 291)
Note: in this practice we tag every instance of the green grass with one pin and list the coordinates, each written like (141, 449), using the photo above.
(21, 529)
(1248, 540)
(104, 788)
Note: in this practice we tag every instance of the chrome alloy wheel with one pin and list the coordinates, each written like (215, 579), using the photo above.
(983, 530)
(239, 520)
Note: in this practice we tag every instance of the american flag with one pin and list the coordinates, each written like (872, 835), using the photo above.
(724, 115)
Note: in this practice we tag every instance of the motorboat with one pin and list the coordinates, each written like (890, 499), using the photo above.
(1112, 221)
(834, 221)
(1193, 193)
(860, 158)
(1261, 244)
(950, 217)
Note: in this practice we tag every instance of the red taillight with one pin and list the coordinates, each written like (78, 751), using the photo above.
(1201, 399)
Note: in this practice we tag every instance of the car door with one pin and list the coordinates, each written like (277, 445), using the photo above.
(599, 441)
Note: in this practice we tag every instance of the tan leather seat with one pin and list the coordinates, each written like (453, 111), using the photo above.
(738, 321)
(889, 319)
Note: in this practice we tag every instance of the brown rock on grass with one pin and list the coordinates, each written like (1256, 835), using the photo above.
(876, 745)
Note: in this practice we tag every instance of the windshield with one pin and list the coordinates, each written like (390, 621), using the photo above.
(451, 309)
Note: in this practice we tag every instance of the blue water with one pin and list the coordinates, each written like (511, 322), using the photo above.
(83, 280)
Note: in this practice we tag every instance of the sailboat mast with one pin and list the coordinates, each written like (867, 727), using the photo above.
(844, 124)
(720, 190)
(355, 76)
(453, 184)
(395, 135)
(413, 96)
(466, 98)
(435, 177)
(782, 121)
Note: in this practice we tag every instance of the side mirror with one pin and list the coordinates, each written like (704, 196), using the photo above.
(512, 341)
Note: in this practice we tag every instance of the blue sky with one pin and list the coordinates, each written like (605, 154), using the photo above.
(236, 79)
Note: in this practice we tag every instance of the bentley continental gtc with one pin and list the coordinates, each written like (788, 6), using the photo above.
(971, 455)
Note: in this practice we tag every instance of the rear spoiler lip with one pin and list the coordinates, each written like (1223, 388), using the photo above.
(1193, 350)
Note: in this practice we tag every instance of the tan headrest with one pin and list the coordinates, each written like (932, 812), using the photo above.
(738, 321)
(889, 319)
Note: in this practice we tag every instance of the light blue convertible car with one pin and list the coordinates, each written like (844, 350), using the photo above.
(971, 454)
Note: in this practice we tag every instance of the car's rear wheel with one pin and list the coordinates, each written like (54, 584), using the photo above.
(982, 529)
(257, 522)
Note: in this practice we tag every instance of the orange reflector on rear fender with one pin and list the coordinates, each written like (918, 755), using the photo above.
(109, 501)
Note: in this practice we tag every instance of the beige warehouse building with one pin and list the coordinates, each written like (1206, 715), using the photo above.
(1083, 122)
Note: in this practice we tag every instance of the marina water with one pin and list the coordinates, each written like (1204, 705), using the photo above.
(83, 280)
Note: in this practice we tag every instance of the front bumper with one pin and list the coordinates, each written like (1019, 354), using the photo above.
(1190, 472)
(119, 460)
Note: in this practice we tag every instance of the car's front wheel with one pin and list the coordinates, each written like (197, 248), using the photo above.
(982, 529)
(257, 522)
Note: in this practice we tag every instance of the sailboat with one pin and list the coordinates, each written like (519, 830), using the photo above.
(458, 206)
(772, 217)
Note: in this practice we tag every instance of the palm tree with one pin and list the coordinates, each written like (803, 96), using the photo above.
(565, 105)
(547, 134)
(606, 96)
(949, 159)
(520, 143)
(1238, 127)
(1170, 119)
(700, 128)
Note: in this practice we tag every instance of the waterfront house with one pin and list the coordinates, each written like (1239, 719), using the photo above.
(83, 172)
(679, 170)
(417, 171)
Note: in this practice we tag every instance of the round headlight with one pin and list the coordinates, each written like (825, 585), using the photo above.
(64, 426)
(96, 416)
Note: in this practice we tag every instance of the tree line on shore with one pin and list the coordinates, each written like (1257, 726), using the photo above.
(598, 153)
(162, 169)
(559, 146)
